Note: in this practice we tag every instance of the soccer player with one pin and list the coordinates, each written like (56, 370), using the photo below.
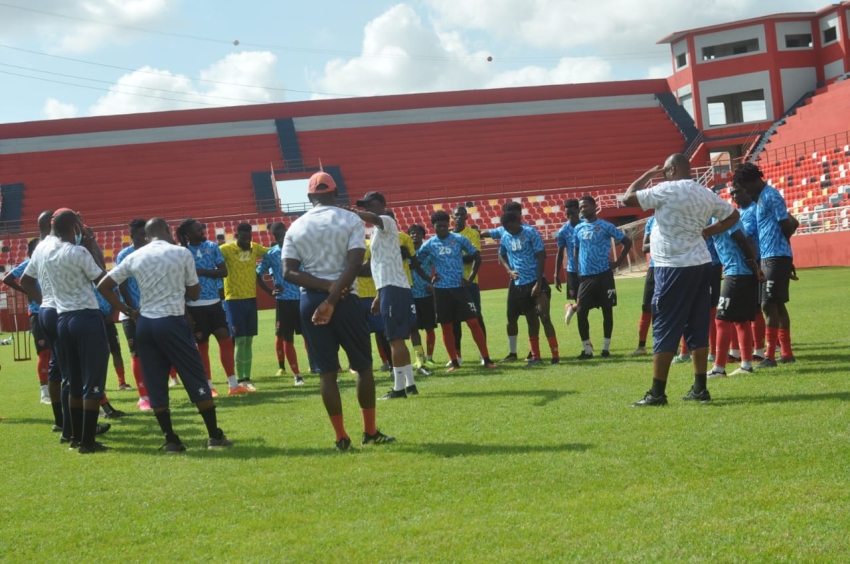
(166, 275)
(596, 289)
(322, 253)
(566, 246)
(288, 302)
(423, 297)
(41, 348)
(681, 304)
(131, 297)
(394, 300)
(775, 228)
(68, 270)
(749, 219)
(521, 252)
(454, 302)
(206, 312)
(461, 228)
(738, 300)
(240, 293)
(648, 291)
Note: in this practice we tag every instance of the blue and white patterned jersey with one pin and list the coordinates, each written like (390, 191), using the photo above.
(751, 224)
(770, 211)
(420, 285)
(650, 223)
(567, 240)
(521, 250)
(132, 285)
(447, 257)
(17, 272)
(496, 233)
(715, 259)
(594, 245)
(207, 255)
(273, 264)
(730, 254)
(104, 306)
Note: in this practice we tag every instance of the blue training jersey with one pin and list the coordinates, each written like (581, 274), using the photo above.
(567, 240)
(650, 223)
(17, 272)
(420, 285)
(207, 255)
(496, 233)
(751, 225)
(132, 285)
(730, 254)
(272, 264)
(521, 250)
(594, 245)
(447, 257)
(104, 306)
(715, 259)
(771, 209)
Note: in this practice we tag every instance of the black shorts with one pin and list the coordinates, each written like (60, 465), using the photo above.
(38, 334)
(208, 319)
(777, 270)
(738, 299)
(112, 338)
(130, 334)
(520, 301)
(597, 291)
(716, 281)
(454, 304)
(426, 312)
(287, 319)
(347, 329)
(573, 284)
(648, 290)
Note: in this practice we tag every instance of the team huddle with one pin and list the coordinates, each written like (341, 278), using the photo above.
(335, 287)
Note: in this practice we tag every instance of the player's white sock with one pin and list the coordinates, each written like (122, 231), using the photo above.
(606, 344)
(44, 392)
(512, 343)
(735, 352)
(588, 348)
(408, 375)
(716, 368)
(211, 385)
(232, 382)
(747, 365)
(398, 375)
(759, 352)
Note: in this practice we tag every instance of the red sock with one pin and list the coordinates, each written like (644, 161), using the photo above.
(136, 368)
(173, 373)
(735, 344)
(553, 346)
(119, 371)
(291, 356)
(712, 333)
(225, 355)
(204, 349)
(339, 428)
(369, 426)
(430, 341)
(534, 343)
(724, 337)
(685, 349)
(771, 338)
(745, 340)
(643, 326)
(104, 399)
(449, 340)
(383, 354)
(278, 349)
(785, 343)
(43, 366)
(759, 329)
(480, 339)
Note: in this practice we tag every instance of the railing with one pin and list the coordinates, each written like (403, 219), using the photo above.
(751, 141)
(829, 220)
(826, 143)
(296, 166)
(692, 148)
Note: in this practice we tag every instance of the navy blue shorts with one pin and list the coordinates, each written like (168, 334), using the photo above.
(83, 352)
(396, 309)
(242, 317)
(681, 306)
(347, 329)
(374, 322)
(49, 320)
(166, 342)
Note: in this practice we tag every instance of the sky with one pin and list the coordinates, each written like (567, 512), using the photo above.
(73, 58)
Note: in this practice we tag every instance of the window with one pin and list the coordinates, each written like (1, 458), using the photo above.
(740, 107)
(830, 34)
(681, 60)
(716, 113)
(730, 49)
(798, 41)
(687, 102)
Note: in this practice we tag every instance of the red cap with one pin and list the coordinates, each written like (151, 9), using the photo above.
(316, 182)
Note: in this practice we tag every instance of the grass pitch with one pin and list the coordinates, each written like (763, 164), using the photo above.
(508, 465)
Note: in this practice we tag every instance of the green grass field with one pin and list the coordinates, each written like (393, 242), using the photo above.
(509, 465)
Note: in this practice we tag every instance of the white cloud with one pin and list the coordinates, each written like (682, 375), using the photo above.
(150, 90)
(54, 109)
(402, 55)
(660, 71)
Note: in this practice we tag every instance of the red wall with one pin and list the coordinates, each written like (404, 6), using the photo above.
(822, 249)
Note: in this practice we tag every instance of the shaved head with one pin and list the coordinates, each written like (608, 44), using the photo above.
(677, 167)
(44, 221)
(157, 228)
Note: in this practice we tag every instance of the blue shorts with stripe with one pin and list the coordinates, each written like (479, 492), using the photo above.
(83, 352)
(242, 316)
(396, 310)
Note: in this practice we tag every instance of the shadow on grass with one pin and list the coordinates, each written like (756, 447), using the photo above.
(452, 450)
(546, 396)
(841, 396)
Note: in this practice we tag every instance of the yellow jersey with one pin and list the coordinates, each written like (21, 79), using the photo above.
(241, 281)
(406, 242)
(366, 284)
(475, 238)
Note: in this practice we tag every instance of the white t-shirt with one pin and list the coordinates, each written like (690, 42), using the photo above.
(387, 265)
(163, 272)
(68, 270)
(43, 247)
(682, 210)
(321, 238)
